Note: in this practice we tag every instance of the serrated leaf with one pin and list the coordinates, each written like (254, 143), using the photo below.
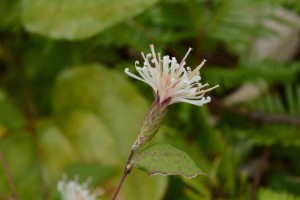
(165, 159)
(77, 19)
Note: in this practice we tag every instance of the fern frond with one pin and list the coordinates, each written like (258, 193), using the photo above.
(266, 70)
(275, 103)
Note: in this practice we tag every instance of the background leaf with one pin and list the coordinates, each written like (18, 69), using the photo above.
(24, 169)
(77, 19)
(275, 195)
(10, 117)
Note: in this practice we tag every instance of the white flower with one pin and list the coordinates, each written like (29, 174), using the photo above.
(73, 190)
(170, 79)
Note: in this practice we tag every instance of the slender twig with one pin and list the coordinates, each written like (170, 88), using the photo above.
(259, 172)
(9, 177)
(32, 116)
(31, 112)
(126, 171)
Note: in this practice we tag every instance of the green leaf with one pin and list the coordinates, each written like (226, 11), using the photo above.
(20, 154)
(275, 195)
(93, 100)
(89, 136)
(65, 159)
(57, 152)
(77, 19)
(9, 115)
(100, 114)
(165, 159)
(97, 172)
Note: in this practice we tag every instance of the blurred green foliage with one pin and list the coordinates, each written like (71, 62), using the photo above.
(66, 107)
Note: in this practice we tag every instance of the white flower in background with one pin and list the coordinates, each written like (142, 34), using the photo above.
(170, 79)
(73, 190)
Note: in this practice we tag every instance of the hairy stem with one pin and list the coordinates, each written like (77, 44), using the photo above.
(9, 177)
(126, 171)
(149, 128)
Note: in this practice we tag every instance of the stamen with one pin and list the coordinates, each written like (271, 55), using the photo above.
(197, 69)
(172, 80)
(187, 53)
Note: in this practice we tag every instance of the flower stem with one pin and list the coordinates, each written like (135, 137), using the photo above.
(149, 128)
(126, 171)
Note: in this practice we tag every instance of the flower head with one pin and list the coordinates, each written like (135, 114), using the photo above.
(73, 190)
(170, 79)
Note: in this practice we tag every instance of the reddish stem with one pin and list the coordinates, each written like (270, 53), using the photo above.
(126, 171)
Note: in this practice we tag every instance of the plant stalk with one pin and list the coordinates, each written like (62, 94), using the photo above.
(9, 177)
(149, 128)
(126, 171)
